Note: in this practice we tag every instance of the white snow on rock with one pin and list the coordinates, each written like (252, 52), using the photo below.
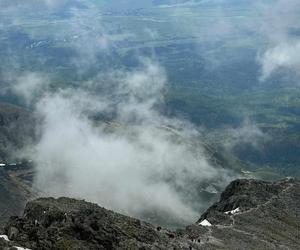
(22, 248)
(2, 164)
(246, 172)
(232, 212)
(211, 189)
(205, 223)
(5, 237)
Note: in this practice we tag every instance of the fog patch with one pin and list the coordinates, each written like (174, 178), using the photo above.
(139, 163)
(105, 139)
(29, 86)
(247, 134)
(280, 26)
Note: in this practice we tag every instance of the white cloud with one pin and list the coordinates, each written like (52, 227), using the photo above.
(136, 165)
(139, 167)
(247, 133)
(282, 55)
(279, 20)
(29, 86)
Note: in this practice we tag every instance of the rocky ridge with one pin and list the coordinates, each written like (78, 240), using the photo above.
(251, 214)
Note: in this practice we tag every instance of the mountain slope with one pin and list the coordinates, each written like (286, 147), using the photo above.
(254, 214)
(16, 129)
(15, 189)
(263, 216)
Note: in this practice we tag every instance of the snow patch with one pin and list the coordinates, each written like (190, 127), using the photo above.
(2, 164)
(5, 237)
(232, 212)
(246, 172)
(211, 189)
(205, 223)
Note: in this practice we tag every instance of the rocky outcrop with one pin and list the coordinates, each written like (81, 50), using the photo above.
(72, 224)
(254, 214)
(251, 214)
(245, 195)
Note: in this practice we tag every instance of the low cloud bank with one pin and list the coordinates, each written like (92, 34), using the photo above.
(136, 164)
(106, 140)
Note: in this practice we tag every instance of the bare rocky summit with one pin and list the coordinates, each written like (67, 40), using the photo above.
(251, 214)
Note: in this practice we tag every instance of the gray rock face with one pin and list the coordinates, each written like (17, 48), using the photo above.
(4, 245)
(71, 224)
(266, 216)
